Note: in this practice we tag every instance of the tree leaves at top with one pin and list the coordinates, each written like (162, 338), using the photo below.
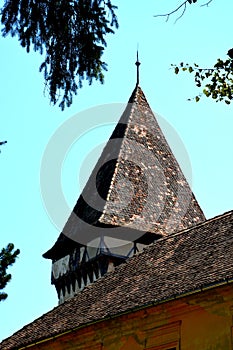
(217, 81)
(71, 33)
(7, 258)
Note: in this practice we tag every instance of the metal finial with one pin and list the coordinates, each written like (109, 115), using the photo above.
(137, 64)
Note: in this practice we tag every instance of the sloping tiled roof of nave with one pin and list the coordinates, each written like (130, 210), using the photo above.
(138, 179)
(190, 260)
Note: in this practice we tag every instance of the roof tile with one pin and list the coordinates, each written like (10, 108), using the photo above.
(186, 261)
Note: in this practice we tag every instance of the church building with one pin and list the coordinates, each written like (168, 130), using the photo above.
(137, 265)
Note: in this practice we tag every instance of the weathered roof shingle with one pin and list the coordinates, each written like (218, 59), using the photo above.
(136, 183)
(187, 261)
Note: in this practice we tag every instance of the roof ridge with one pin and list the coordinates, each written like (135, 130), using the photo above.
(228, 213)
(150, 246)
(128, 111)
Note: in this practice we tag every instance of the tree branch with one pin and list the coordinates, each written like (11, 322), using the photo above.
(174, 11)
(181, 13)
(184, 5)
(2, 143)
(207, 4)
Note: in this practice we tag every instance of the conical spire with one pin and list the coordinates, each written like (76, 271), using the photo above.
(147, 178)
(136, 185)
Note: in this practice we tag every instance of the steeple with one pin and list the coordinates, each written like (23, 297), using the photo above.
(135, 194)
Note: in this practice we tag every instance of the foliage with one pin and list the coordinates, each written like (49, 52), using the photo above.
(7, 258)
(217, 81)
(71, 33)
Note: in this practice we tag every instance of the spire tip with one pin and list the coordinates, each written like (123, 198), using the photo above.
(137, 65)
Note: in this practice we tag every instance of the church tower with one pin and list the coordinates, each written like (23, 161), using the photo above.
(136, 194)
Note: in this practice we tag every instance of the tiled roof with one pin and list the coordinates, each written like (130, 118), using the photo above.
(187, 261)
(136, 183)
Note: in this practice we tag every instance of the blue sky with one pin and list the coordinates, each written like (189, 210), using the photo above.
(28, 122)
